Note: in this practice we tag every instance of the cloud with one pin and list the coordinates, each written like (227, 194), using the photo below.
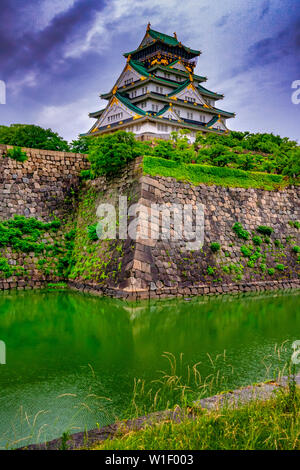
(265, 9)
(222, 21)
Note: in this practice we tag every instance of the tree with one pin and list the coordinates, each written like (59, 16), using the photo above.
(80, 145)
(31, 136)
(108, 154)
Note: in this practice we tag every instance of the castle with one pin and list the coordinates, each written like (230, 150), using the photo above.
(158, 92)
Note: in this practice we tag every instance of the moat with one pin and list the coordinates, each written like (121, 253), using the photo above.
(72, 358)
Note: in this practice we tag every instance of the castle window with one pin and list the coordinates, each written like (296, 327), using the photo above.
(189, 99)
(159, 89)
(163, 127)
(127, 82)
(155, 107)
(115, 117)
(190, 115)
(144, 90)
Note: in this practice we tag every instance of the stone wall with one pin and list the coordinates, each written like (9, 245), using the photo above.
(42, 185)
(47, 184)
(163, 268)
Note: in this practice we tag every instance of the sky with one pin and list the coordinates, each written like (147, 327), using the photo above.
(57, 56)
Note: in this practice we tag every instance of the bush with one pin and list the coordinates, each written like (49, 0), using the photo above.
(265, 230)
(280, 267)
(271, 271)
(240, 231)
(247, 251)
(16, 154)
(296, 249)
(92, 232)
(215, 247)
(108, 154)
(257, 241)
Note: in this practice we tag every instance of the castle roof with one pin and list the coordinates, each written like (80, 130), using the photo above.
(171, 41)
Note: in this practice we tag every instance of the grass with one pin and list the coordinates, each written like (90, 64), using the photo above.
(221, 176)
(270, 425)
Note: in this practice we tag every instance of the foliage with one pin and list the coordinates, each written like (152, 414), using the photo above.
(257, 240)
(17, 154)
(250, 152)
(265, 230)
(80, 145)
(92, 232)
(194, 173)
(240, 231)
(110, 153)
(271, 271)
(296, 249)
(294, 223)
(23, 233)
(31, 136)
(215, 247)
(280, 267)
(258, 425)
(247, 251)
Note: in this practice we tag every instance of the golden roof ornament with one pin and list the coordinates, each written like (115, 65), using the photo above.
(148, 26)
(175, 36)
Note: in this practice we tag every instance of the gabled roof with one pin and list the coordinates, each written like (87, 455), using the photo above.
(166, 39)
(212, 121)
(209, 92)
(180, 88)
(129, 105)
(139, 67)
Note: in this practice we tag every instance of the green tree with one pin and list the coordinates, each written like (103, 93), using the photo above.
(80, 145)
(109, 153)
(31, 136)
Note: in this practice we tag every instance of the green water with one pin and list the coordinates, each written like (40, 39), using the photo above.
(65, 343)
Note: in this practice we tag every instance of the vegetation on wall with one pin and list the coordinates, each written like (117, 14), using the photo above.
(17, 154)
(40, 241)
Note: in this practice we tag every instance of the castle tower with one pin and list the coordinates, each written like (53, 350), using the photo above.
(158, 92)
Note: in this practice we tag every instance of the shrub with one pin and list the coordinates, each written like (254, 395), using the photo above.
(86, 174)
(247, 251)
(92, 232)
(16, 153)
(211, 271)
(110, 153)
(271, 271)
(240, 231)
(215, 247)
(265, 230)
(280, 267)
(257, 241)
(296, 249)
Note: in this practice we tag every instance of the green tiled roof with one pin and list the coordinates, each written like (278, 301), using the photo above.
(95, 114)
(226, 112)
(205, 90)
(165, 38)
(212, 121)
(129, 105)
(138, 67)
(180, 88)
(163, 110)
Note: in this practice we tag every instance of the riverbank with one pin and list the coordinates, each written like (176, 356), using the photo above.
(262, 416)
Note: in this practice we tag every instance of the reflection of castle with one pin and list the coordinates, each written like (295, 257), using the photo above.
(158, 92)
